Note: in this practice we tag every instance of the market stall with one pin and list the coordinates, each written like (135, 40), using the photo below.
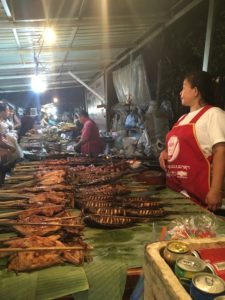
(105, 195)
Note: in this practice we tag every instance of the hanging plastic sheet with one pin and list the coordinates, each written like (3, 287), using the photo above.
(157, 126)
(130, 83)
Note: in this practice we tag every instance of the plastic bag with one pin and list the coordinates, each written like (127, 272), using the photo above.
(131, 121)
(201, 226)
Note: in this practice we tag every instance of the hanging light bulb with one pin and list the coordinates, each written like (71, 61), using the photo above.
(49, 35)
(38, 84)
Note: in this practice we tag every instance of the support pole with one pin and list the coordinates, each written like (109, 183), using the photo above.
(208, 37)
(75, 77)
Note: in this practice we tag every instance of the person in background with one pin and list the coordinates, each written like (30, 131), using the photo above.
(44, 120)
(194, 159)
(27, 123)
(90, 142)
(9, 148)
(13, 120)
(4, 114)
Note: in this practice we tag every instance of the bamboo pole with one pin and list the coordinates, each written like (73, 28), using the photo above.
(6, 250)
(42, 224)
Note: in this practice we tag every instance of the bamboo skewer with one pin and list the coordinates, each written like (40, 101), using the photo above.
(47, 220)
(12, 197)
(23, 184)
(23, 178)
(11, 214)
(42, 224)
(5, 250)
(17, 213)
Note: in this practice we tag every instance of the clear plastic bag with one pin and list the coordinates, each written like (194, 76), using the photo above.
(200, 226)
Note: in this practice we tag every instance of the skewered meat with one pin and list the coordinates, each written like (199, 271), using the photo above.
(39, 225)
(104, 190)
(36, 229)
(146, 212)
(143, 204)
(140, 198)
(48, 210)
(69, 219)
(98, 204)
(98, 198)
(108, 211)
(33, 260)
(58, 187)
(54, 197)
(108, 221)
(54, 162)
(51, 180)
(95, 179)
(47, 173)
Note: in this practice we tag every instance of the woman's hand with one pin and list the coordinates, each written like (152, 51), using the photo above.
(214, 199)
(162, 159)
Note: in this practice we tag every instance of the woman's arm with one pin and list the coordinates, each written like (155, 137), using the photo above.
(162, 159)
(81, 142)
(214, 197)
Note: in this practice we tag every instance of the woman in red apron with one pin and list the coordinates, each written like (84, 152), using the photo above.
(194, 158)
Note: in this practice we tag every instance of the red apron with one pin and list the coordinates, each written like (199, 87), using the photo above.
(187, 167)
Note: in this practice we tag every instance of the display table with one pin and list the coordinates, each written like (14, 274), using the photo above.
(116, 253)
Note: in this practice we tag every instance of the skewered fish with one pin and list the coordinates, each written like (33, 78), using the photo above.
(146, 212)
(143, 204)
(108, 221)
(87, 204)
(107, 211)
(105, 189)
(98, 198)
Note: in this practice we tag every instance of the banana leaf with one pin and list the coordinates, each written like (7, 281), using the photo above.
(46, 284)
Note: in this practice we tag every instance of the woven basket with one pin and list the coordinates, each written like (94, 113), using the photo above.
(160, 283)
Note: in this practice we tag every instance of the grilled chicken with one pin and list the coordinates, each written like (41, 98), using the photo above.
(33, 260)
(44, 229)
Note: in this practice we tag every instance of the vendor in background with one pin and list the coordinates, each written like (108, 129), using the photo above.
(90, 142)
(194, 159)
(27, 123)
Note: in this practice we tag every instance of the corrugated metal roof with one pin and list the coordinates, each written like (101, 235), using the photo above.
(90, 35)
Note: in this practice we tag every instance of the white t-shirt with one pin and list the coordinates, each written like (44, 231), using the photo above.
(210, 128)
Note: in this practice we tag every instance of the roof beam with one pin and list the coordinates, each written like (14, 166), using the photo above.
(6, 8)
(76, 78)
(7, 51)
(86, 21)
(48, 89)
(46, 75)
(50, 65)
(28, 84)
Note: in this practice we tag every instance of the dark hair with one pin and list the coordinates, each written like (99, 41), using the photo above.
(3, 106)
(203, 82)
(83, 113)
